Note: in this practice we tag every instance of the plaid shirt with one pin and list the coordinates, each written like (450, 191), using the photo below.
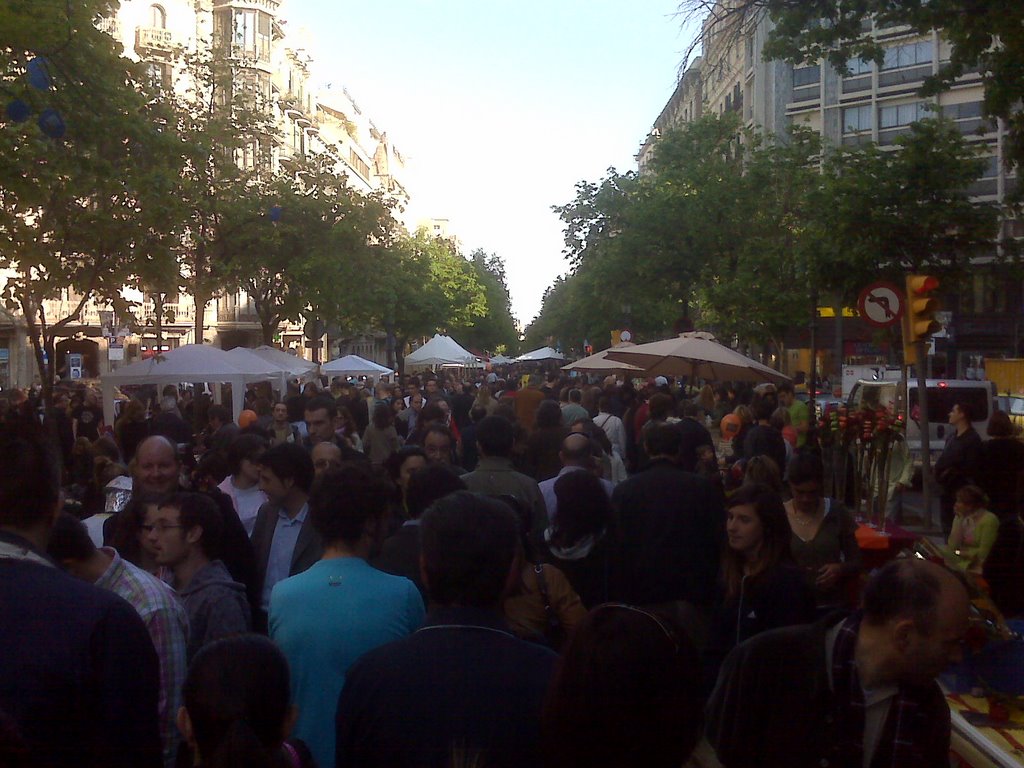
(167, 623)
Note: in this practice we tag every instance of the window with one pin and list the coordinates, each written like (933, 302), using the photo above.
(358, 164)
(857, 119)
(251, 34)
(806, 76)
(991, 167)
(908, 55)
(965, 111)
(159, 74)
(902, 114)
(859, 67)
(157, 17)
(221, 28)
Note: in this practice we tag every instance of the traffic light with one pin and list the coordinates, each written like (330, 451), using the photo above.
(921, 308)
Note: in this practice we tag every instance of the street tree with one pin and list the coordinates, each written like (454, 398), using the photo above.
(494, 331)
(84, 169)
(226, 128)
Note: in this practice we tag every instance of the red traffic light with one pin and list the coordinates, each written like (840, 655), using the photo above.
(921, 284)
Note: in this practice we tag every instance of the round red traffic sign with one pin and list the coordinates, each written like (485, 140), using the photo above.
(881, 304)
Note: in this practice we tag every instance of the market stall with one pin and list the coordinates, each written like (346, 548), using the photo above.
(190, 364)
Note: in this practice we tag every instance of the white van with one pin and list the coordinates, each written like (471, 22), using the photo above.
(943, 394)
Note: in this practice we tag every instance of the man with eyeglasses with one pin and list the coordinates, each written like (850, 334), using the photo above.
(185, 532)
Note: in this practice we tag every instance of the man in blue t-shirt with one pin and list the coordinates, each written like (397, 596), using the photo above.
(328, 616)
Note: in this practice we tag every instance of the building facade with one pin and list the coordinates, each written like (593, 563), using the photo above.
(872, 103)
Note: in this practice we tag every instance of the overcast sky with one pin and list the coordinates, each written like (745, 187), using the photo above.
(500, 108)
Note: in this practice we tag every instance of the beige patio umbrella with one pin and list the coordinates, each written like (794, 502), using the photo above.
(696, 355)
(599, 363)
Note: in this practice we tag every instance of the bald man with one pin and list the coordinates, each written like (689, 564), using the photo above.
(156, 475)
(857, 691)
(326, 455)
(576, 453)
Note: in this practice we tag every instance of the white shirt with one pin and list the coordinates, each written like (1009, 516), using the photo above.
(613, 427)
(877, 702)
(246, 501)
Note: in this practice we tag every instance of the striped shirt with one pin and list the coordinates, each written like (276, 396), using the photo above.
(167, 623)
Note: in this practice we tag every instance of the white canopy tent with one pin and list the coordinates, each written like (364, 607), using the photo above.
(253, 361)
(192, 363)
(501, 360)
(354, 365)
(300, 368)
(442, 350)
(539, 355)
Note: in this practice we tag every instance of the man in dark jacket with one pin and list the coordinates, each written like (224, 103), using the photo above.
(186, 531)
(284, 538)
(672, 528)
(959, 462)
(848, 692)
(463, 684)
(79, 675)
(763, 439)
(400, 553)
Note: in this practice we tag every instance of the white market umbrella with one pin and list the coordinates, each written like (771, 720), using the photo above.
(441, 350)
(599, 362)
(697, 355)
(192, 363)
(539, 355)
(354, 365)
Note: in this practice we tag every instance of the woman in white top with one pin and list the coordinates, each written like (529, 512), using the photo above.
(242, 485)
(612, 426)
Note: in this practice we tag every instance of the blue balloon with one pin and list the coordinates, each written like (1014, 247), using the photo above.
(38, 74)
(275, 213)
(52, 124)
(18, 111)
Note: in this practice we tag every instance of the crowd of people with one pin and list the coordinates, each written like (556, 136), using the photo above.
(443, 572)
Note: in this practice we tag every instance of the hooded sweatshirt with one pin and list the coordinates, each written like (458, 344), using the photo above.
(216, 606)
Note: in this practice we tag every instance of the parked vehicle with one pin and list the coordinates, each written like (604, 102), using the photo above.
(1013, 405)
(943, 394)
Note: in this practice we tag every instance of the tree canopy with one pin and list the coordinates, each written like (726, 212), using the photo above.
(749, 232)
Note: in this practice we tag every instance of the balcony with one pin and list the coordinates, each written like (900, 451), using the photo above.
(245, 314)
(154, 40)
(111, 26)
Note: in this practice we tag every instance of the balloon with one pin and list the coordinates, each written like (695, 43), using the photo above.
(18, 111)
(52, 124)
(730, 426)
(38, 75)
(247, 418)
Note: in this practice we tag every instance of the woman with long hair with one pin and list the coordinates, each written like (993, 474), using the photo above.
(823, 540)
(348, 427)
(579, 541)
(974, 531)
(627, 691)
(545, 441)
(381, 439)
(237, 707)
(761, 586)
(485, 400)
